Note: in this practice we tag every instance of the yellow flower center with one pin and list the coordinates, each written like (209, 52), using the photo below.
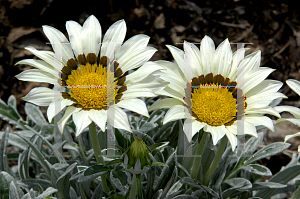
(213, 104)
(88, 86)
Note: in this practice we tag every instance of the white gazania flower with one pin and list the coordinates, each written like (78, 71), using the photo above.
(88, 64)
(295, 86)
(225, 88)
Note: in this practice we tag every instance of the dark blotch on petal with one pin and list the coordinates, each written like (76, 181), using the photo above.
(122, 89)
(103, 61)
(209, 78)
(66, 70)
(195, 81)
(118, 73)
(219, 80)
(81, 59)
(72, 64)
(201, 79)
(64, 76)
(226, 82)
(121, 81)
(116, 64)
(63, 83)
(91, 58)
(119, 96)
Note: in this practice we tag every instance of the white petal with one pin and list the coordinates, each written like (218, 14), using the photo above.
(55, 36)
(232, 139)
(91, 36)
(164, 103)
(113, 39)
(217, 132)
(81, 120)
(265, 87)
(178, 56)
(171, 93)
(74, 32)
(222, 59)
(291, 109)
(250, 129)
(257, 120)
(241, 127)
(41, 96)
(55, 107)
(207, 50)
(172, 70)
(99, 117)
(236, 59)
(136, 42)
(141, 73)
(260, 101)
(135, 105)
(292, 120)
(118, 118)
(265, 110)
(191, 130)
(291, 136)
(177, 112)
(192, 58)
(137, 58)
(40, 64)
(47, 56)
(253, 78)
(294, 85)
(36, 75)
(69, 111)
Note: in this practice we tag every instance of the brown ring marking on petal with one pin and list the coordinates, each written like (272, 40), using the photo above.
(209, 78)
(230, 123)
(91, 58)
(71, 63)
(226, 82)
(116, 65)
(121, 81)
(81, 59)
(219, 80)
(103, 61)
(63, 83)
(66, 70)
(78, 105)
(195, 81)
(64, 76)
(117, 101)
(118, 96)
(118, 72)
(66, 95)
(122, 89)
(201, 79)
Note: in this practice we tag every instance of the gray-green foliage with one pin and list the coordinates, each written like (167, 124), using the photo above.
(69, 169)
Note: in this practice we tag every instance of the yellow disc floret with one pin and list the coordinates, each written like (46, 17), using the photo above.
(213, 104)
(88, 86)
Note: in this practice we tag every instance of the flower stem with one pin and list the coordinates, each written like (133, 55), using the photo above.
(199, 151)
(82, 150)
(133, 188)
(215, 161)
(139, 185)
(296, 193)
(95, 143)
(97, 152)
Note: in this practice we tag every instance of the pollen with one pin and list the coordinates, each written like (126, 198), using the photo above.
(88, 86)
(213, 104)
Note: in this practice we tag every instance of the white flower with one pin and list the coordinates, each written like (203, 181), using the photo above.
(225, 88)
(93, 75)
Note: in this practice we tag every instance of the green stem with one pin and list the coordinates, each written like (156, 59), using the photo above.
(215, 161)
(296, 195)
(199, 151)
(133, 188)
(97, 152)
(139, 185)
(95, 144)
